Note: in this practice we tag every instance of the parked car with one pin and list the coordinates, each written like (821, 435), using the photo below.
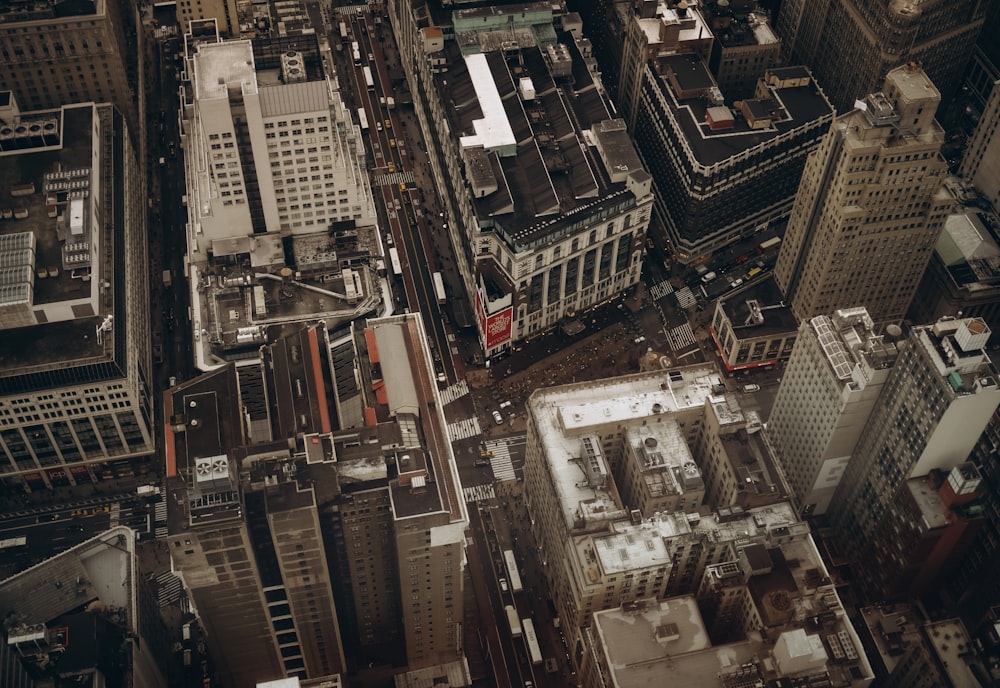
(503, 584)
(748, 389)
(497, 418)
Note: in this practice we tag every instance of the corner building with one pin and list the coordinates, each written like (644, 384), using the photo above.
(870, 205)
(75, 366)
(546, 199)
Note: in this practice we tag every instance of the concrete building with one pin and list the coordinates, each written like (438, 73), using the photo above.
(829, 390)
(739, 630)
(75, 366)
(933, 521)
(752, 327)
(934, 405)
(738, 464)
(56, 53)
(870, 205)
(724, 168)
(546, 201)
(86, 616)
(980, 163)
(745, 46)
(851, 44)
(963, 275)
(283, 519)
(278, 197)
(912, 651)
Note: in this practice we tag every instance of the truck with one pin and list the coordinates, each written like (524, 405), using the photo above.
(168, 278)
(513, 621)
(390, 103)
(531, 641)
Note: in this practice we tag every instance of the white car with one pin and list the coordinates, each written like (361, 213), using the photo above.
(747, 389)
(497, 418)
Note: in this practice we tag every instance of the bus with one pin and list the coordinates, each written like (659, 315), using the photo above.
(513, 621)
(397, 268)
(770, 243)
(13, 543)
(363, 119)
(512, 572)
(531, 641)
(343, 31)
(442, 297)
(356, 52)
(369, 81)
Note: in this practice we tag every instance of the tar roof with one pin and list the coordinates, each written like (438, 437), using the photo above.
(767, 295)
(803, 105)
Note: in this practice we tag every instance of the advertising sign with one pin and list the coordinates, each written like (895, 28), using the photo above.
(498, 327)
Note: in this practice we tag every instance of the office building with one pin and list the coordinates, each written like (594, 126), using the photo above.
(829, 390)
(980, 163)
(546, 201)
(673, 642)
(870, 205)
(752, 327)
(225, 12)
(279, 204)
(310, 547)
(56, 53)
(86, 616)
(851, 44)
(912, 651)
(963, 275)
(75, 370)
(934, 405)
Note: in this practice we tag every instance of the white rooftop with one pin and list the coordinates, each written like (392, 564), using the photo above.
(493, 130)
(218, 64)
(565, 415)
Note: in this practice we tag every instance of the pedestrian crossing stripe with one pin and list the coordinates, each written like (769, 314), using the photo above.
(685, 297)
(168, 588)
(681, 337)
(463, 429)
(500, 463)
(479, 493)
(394, 178)
(455, 391)
(661, 290)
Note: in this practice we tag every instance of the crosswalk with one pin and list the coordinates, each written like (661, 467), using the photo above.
(661, 290)
(500, 462)
(393, 178)
(168, 588)
(681, 337)
(479, 493)
(160, 512)
(116, 514)
(685, 297)
(463, 429)
(455, 391)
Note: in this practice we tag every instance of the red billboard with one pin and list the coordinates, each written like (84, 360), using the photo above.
(498, 327)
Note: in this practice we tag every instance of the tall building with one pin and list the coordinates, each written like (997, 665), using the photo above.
(980, 164)
(279, 203)
(57, 52)
(870, 205)
(310, 549)
(829, 389)
(225, 12)
(75, 366)
(87, 616)
(546, 199)
(851, 44)
(934, 405)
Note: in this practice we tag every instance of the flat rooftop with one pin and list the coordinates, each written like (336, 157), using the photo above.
(68, 150)
(802, 105)
(567, 414)
(216, 65)
(526, 117)
(776, 321)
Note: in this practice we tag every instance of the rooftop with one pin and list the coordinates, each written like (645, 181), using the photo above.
(565, 416)
(969, 250)
(849, 336)
(758, 310)
(16, 11)
(53, 183)
(685, 82)
(220, 66)
(529, 116)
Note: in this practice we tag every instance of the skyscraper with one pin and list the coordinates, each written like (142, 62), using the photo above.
(935, 404)
(851, 44)
(56, 53)
(870, 205)
(75, 365)
(829, 388)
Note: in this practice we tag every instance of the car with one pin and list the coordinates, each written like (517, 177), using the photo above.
(485, 454)
(708, 277)
(503, 585)
(497, 418)
(74, 529)
(481, 463)
(736, 282)
(371, 57)
(640, 339)
(45, 518)
(388, 124)
(748, 389)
